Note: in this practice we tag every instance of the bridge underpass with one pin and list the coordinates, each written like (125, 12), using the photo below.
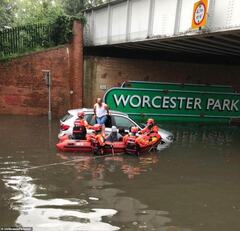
(153, 40)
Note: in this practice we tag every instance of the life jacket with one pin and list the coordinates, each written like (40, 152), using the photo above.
(130, 140)
(149, 139)
(143, 141)
(79, 130)
(98, 143)
(100, 140)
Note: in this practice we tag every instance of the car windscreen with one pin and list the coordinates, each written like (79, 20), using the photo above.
(66, 117)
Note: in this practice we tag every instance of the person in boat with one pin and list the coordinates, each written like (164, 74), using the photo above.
(131, 136)
(101, 111)
(150, 127)
(98, 139)
(80, 127)
(114, 135)
(122, 132)
(149, 135)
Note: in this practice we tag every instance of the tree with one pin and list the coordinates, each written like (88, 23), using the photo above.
(75, 7)
(6, 12)
(35, 11)
(22, 12)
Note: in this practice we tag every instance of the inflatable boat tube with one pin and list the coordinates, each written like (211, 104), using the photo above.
(69, 145)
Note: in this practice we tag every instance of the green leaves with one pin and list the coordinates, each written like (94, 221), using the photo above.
(62, 30)
(7, 8)
(23, 12)
(34, 11)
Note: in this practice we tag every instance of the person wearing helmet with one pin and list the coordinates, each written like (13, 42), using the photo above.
(80, 127)
(130, 140)
(114, 135)
(150, 134)
(150, 127)
(131, 137)
(98, 139)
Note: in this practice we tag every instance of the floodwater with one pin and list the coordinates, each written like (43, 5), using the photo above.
(193, 185)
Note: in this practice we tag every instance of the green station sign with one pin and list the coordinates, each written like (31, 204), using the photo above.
(178, 86)
(175, 105)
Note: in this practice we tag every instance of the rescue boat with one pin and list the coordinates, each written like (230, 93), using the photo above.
(67, 144)
(71, 145)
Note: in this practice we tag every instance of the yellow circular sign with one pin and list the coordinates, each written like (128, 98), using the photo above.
(199, 18)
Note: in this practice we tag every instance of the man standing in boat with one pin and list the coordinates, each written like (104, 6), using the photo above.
(101, 112)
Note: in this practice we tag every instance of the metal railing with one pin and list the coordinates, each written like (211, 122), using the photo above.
(18, 40)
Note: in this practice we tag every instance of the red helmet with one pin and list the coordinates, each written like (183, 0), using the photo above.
(97, 127)
(134, 129)
(81, 114)
(150, 121)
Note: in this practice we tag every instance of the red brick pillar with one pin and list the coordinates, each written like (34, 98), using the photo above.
(76, 66)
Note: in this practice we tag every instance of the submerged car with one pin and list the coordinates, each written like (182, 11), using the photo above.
(118, 119)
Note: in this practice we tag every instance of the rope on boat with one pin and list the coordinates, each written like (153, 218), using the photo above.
(68, 161)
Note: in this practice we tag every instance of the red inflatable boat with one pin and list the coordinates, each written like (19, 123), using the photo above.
(66, 144)
(70, 145)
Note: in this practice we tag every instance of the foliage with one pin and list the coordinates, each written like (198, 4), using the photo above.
(22, 39)
(7, 8)
(22, 12)
(62, 30)
(35, 11)
(28, 25)
(75, 7)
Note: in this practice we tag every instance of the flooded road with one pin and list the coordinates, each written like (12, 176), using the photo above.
(191, 186)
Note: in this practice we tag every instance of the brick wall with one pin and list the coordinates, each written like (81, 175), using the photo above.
(23, 90)
(111, 72)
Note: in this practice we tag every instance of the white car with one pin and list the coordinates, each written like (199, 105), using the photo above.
(118, 119)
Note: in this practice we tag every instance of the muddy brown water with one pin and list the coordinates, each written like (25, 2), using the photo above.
(191, 185)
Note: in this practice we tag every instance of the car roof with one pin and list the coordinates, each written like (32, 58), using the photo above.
(90, 110)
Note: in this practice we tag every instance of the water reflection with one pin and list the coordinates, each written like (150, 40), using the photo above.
(132, 213)
(49, 214)
(207, 135)
(109, 164)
